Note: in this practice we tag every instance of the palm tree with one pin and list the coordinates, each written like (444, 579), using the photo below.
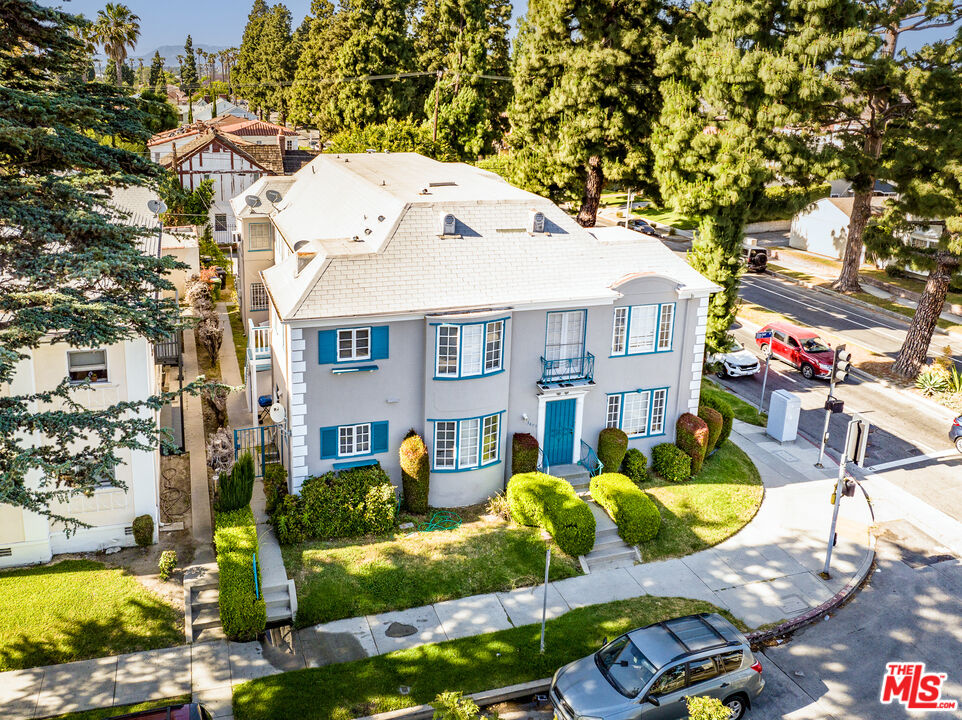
(117, 29)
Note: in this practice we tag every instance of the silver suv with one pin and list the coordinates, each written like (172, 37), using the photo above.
(647, 673)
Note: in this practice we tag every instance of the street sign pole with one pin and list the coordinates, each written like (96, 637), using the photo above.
(761, 400)
(838, 497)
(544, 602)
(840, 365)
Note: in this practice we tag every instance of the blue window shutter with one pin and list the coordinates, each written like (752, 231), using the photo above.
(327, 346)
(379, 342)
(328, 442)
(379, 437)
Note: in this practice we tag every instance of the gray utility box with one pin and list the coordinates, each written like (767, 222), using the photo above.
(783, 411)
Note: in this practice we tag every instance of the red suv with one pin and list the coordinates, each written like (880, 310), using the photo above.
(798, 347)
(190, 711)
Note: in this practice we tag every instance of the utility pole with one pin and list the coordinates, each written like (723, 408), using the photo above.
(437, 98)
(856, 441)
(628, 207)
(840, 365)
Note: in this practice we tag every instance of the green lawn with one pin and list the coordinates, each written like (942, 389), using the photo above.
(744, 411)
(666, 216)
(106, 713)
(707, 509)
(340, 579)
(78, 609)
(484, 662)
(240, 339)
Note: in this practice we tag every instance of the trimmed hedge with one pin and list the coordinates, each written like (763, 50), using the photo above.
(629, 506)
(728, 415)
(350, 503)
(524, 453)
(549, 502)
(275, 486)
(671, 462)
(635, 465)
(143, 527)
(415, 473)
(235, 488)
(713, 419)
(243, 616)
(612, 446)
(691, 435)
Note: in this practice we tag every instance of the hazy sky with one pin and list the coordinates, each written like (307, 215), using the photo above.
(221, 22)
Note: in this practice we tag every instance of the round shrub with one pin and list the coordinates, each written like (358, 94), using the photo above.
(691, 435)
(143, 530)
(713, 419)
(612, 445)
(524, 453)
(635, 465)
(415, 473)
(275, 485)
(288, 521)
(671, 462)
(636, 516)
(167, 563)
(728, 415)
(551, 503)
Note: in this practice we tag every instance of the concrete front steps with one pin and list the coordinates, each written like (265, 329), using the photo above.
(201, 609)
(576, 475)
(281, 603)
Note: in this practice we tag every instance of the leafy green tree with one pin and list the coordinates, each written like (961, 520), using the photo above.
(159, 115)
(185, 206)
(311, 95)
(585, 96)
(277, 49)
(117, 29)
(249, 72)
(188, 76)
(391, 136)
(74, 275)
(875, 100)
(731, 83)
(156, 76)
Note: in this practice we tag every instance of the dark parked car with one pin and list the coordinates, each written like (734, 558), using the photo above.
(647, 673)
(955, 433)
(190, 711)
(798, 347)
(755, 259)
(642, 226)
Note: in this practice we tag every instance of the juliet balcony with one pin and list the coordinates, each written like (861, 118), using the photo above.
(258, 346)
(578, 370)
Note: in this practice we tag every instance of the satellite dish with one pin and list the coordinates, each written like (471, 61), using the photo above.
(252, 201)
(277, 413)
(157, 206)
(273, 196)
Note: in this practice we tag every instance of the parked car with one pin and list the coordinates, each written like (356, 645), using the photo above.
(755, 259)
(646, 673)
(189, 711)
(799, 347)
(955, 433)
(642, 226)
(737, 362)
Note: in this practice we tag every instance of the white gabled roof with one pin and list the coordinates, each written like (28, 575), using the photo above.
(373, 222)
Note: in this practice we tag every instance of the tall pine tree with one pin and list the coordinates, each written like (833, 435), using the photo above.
(277, 49)
(248, 73)
(156, 76)
(72, 274)
(585, 96)
(188, 76)
(313, 87)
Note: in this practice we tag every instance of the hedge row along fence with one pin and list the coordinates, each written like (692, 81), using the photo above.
(636, 516)
(243, 616)
(545, 501)
(350, 503)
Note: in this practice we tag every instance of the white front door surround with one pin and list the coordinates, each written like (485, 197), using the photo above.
(546, 396)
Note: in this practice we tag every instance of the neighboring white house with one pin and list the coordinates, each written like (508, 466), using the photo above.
(400, 292)
(822, 227)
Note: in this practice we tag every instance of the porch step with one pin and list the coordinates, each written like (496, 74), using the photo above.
(610, 552)
(201, 608)
(574, 474)
(206, 616)
(278, 601)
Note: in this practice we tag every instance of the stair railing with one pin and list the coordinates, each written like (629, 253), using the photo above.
(589, 460)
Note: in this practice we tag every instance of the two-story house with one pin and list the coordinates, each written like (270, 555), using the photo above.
(402, 293)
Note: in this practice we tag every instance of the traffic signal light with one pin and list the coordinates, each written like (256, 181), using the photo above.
(841, 364)
(857, 438)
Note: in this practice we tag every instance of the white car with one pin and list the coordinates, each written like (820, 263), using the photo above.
(737, 362)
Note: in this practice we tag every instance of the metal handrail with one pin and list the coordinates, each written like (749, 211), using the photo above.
(257, 591)
(566, 369)
(542, 462)
(590, 460)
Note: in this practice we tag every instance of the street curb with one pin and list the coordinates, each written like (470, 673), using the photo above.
(484, 698)
(759, 638)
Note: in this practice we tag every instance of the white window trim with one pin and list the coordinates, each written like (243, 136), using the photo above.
(671, 327)
(624, 335)
(353, 431)
(354, 356)
(437, 445)
(651, 420)
(259, 292)
(489, 423)
(269, 239)
(89, 368)
(476, 462)
(459, 350)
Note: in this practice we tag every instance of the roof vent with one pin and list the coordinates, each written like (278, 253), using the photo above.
(367, 231)
(357, 238)
(299, 244)
(446, 223)
(445, 183)
(303, 259)
(537, 221)
(380, 218)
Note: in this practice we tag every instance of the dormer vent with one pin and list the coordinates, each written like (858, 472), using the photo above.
(537, 221)
(446, 223)
(303, 259)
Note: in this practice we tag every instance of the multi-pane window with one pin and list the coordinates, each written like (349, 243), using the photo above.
(353, 344)
(220, 222)
(260, 236)
(445, 444)
(87, 365)
(642, 329)
(467, 444)
(639, 412)
(258, 296)
(354, 439)
(469, 350)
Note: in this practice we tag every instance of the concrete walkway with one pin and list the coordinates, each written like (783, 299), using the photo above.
(194, 439)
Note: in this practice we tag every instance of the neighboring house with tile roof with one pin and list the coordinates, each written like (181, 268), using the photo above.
(400, 292)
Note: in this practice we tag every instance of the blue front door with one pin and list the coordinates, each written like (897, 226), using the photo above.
(559, 431)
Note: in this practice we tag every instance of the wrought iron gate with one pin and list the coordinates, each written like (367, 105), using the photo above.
(267, 443)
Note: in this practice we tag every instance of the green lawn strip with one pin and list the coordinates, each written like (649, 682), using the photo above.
(707, 509)
(907, 283)
(340, 579)
(237, 332)
(665, 216)
(743, 410)
(79, 609)
(895, 307)
(104, 713)
(484, 662)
